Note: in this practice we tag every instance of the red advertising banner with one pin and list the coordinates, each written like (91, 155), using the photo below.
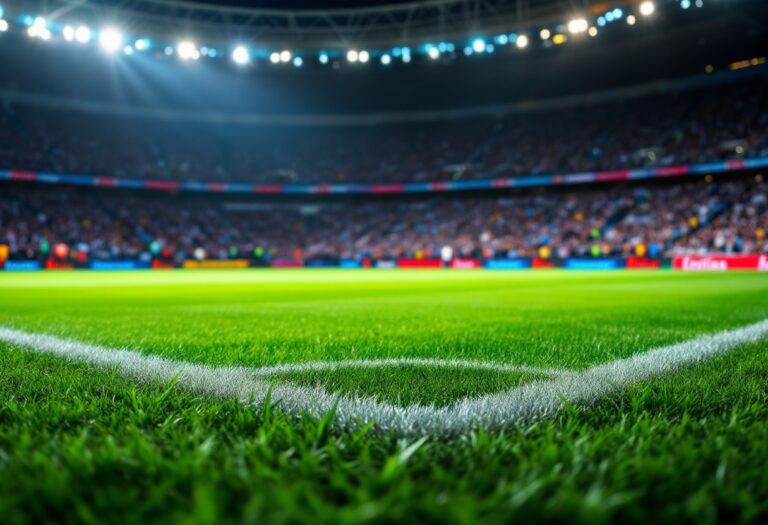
(466, 264)
(541, 264)
(287, 263)
(721, 263)
(52, 264)
(419, 263)
(641, 262)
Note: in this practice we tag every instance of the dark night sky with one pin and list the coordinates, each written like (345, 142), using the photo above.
(307, 4)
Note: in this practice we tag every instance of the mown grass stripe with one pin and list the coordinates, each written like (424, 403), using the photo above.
(494, 411)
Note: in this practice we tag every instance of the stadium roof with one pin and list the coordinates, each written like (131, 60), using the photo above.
(364, 22)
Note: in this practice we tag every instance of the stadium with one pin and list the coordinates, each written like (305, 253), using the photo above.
(376, 261)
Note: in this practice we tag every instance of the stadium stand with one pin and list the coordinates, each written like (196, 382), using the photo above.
(699, 125)
(729, 215)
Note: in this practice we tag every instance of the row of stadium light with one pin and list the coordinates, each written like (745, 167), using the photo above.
(113, 41)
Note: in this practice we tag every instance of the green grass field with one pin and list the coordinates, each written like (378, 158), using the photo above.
(87, 444)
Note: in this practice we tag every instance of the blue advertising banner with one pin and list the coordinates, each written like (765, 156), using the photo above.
(507, 264)
(22, 266)
(595, 264)
(119, 265)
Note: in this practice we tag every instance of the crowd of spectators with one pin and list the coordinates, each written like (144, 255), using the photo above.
(725, 216)
(719, 122)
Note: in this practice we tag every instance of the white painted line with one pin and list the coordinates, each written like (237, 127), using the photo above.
(316, 366)
(529, 402)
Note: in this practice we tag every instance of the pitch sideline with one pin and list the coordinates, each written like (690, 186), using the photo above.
(529, 402)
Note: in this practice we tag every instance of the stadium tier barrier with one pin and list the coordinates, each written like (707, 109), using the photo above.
(416, 187)
(755, 262)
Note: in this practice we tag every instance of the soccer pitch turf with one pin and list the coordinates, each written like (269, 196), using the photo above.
(586, 397)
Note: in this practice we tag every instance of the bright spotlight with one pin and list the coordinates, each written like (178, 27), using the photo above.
(83, 35)
(39, 29)
(128, 50)
(544, 34)
(577, 25)
(363, 56)
(352, 55)
(111, 40)
(69, 33)
(285, 56)
(240, 55)
(406, 58)
(522, 41)
(323, 58)
(274, 57)
(187, 50)
(142, 44)
(3, 26)
(434, 53)
(685, 4)
(647, 8)
(478, 45)
(386, 60)
(631, 20)
(298, 62)
(593, 31)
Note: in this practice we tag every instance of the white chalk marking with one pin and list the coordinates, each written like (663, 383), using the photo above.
(526, 403)
(316, 366)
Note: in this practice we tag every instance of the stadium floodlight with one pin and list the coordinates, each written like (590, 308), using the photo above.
(578, 25)
(111, 40)
(363, 56)
(386, 59)
(406, 58)
(544, 34)
(241, 56)
(685, 4)
(3, 26)
(352, 55)
(128, 50)
(187, 50)
(647, 8)
(468, 50)
(323, 58)
(39, 29)
(69, 33)
(631, 20)
(522, 41)
(478, 45)
(274, 57)
(298, 62)
(142, 44)
(83, 35)
(592, 31)
(433, 53)
(285, 56)
(618, 13)
(601, 21)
